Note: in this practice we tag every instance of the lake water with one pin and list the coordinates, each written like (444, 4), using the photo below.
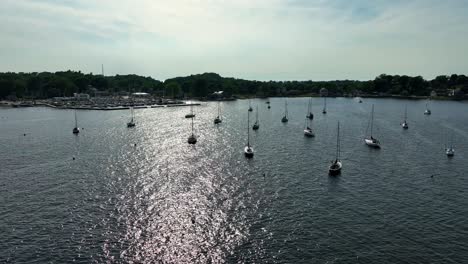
(169, 202)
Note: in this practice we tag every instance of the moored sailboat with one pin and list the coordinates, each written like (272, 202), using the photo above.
(324, 111)
(256, 125)
(371, 141)
(132, 122)
(335, 167)
(192, 139)
(218, 120)
(191, 114)
(285, 117)
(405, 122)
(449, 150)
(76, 130)
(310, 115)
(427, 111)
(248, 150)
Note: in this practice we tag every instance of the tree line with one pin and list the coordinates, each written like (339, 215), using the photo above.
(66, 83)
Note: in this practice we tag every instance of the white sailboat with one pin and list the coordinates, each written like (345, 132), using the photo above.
(285, 117)
(308, 128)
(248, 150)
(308, 121)
(256, 125)
(427, 111)
(310, 115)
(324, 111)
(449, 150)
(76, 130)
(192, 139)
(405, 122)
(132, 122)
(335, 167)
(371, 141)
(218, 120)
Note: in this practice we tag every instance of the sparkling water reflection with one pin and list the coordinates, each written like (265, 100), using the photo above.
(144, 195)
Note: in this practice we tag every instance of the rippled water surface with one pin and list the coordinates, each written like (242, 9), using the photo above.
(144, 195)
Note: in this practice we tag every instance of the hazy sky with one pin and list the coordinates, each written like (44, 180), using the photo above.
(252, 39)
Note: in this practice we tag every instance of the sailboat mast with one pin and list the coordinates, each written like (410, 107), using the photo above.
(256, 114)
(192, 126)
(248, 129)
(286, 108)
(372, 121)
(76, 121)
(406, 112)
(338, 142)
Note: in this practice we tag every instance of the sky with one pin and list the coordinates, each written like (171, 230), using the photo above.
(249, 39)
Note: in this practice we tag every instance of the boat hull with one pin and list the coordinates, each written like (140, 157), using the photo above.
(217, 121)
(372, 143)
(335, 169)
(248, 152)
(308, 133)
(450, 152)
(76, 130)
(189, 115)
(405, 125)
(192, 140)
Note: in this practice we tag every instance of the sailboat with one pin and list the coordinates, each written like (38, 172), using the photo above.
(449, 150)
(405, 123)
(256, 126)
(371, 141)
(192, 139)
(335, 167)
(250, 107)
(132, 122)
(308, 130)
(324, 111)
(76, 130)
(308, 126)
(427, 111)
(248, 150)
(191, 114)
(218, 120)
(285, 117)
(309, 110)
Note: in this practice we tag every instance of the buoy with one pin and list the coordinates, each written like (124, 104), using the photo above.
(73, 158)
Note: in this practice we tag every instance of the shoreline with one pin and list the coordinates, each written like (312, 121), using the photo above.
(44, 103)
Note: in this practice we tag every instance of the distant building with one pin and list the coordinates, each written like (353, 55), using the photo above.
(81, 96)
(433, 94)
(324, 92)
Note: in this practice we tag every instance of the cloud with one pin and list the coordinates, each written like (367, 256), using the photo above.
(262, 39)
